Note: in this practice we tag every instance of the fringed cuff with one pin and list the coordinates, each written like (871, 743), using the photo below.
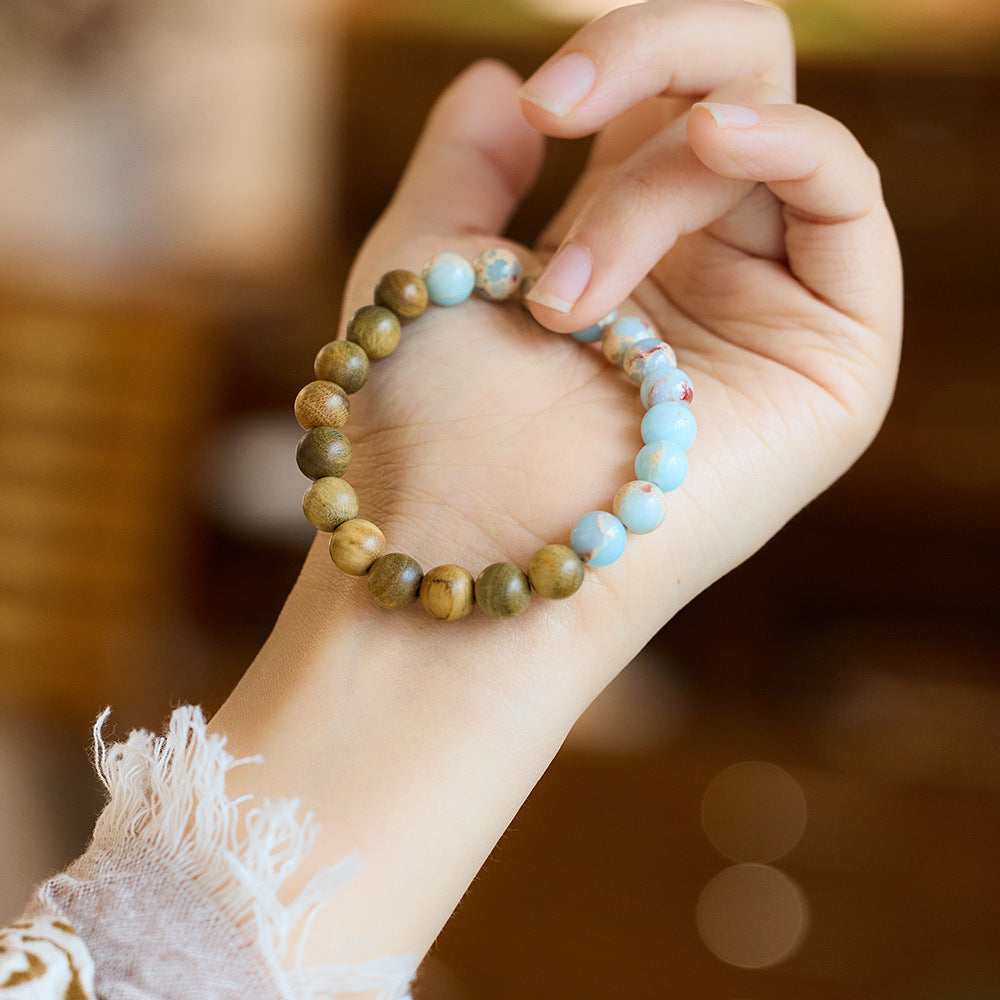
(176, 898)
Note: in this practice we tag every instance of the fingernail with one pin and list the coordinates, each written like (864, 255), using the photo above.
(564, 280)
(731, 115)
(558, 87)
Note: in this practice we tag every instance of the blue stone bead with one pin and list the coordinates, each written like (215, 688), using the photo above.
(646, 357)
(594, 333)
(669, 386)
(449, 278)
(598, 538)
(640, 506)
(663, 463)
(621, 335)
(670, 422)
(498, 273)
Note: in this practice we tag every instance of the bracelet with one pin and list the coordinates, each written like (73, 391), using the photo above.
(501, 590)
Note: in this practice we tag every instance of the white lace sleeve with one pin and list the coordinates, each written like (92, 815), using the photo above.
(176, 898)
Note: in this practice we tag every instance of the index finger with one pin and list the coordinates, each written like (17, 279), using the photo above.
(660, 47)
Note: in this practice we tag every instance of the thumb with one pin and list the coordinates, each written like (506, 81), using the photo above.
(474, 162)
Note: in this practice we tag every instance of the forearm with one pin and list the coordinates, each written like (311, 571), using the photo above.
(413, 742)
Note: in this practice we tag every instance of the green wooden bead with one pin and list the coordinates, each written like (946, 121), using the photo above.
(322, 404)
(375, 329)
(355, 545)
(402, 292)
(556, 571)
(343, 362)
(329, 502)
(323, 451)
(502, 590)
(446, 593)
(394, 580)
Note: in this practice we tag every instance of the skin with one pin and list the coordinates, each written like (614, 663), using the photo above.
(764, 254)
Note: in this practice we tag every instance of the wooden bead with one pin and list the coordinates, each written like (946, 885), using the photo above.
(343, 362)
(402, 292)
(323, 451)
(376, 330)
(394, 580)
(556, 571)
(355, 545)
(446, 593)
(329, 502)
(502, 590)
(322, 404)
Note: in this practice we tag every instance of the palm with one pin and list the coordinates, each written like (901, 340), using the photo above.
(486, 436)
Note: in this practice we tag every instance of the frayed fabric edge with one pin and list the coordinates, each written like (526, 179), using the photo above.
(168, 794)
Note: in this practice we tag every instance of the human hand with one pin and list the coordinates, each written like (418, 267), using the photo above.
(483, 438)
(762, 252)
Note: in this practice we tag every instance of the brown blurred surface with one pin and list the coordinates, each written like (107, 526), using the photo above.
(100, 405)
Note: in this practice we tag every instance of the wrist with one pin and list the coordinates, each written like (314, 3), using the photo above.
(414, 743)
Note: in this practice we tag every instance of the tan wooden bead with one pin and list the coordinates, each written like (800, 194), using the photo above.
(375, 329)
(323, 451)
(403, 292)
(355, 545)
(556, 571)
(502, 590)
(322, 404)
(343, 362)
(329, 502)
(446, 593)
(394, 580)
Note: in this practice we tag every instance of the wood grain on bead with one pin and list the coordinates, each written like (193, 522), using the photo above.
(343, 362)
(355, 545)
(556, 571)
(502, 590)
(322, 404)
(403, 293)
(329, 502)
(394, 580)
(446, 593)
(323, 451)
(376, 330)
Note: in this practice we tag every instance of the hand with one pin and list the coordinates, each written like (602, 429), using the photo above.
(752, 234)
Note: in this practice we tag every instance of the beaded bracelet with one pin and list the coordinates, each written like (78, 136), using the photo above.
(502, 590)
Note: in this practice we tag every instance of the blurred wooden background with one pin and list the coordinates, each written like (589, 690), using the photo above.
(859, 651)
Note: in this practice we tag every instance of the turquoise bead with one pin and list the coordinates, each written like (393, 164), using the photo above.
(621, 335)
(449, 278)
(669, 386)
(662, 463)
(598, 538)
(640, 506)
(498, 274)
(646, 357)
(594, 333)
(670, 422)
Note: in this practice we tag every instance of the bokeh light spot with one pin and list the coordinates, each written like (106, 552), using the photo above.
(752, 916)
(754, 811)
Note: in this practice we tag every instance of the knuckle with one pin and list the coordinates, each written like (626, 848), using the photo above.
(638, 198)
(770, 13)
(873, 177)
(777, 25)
